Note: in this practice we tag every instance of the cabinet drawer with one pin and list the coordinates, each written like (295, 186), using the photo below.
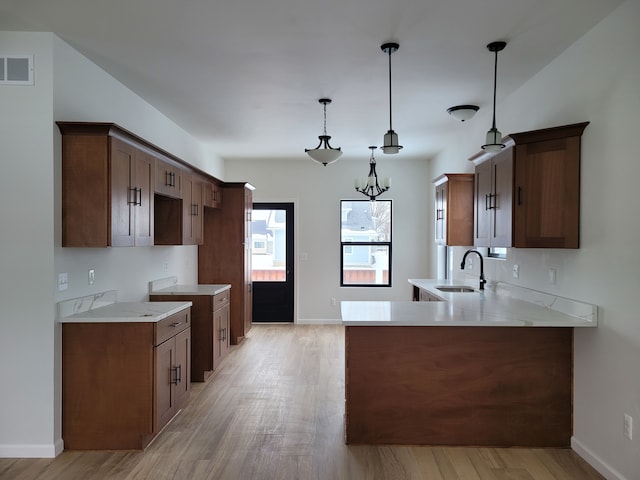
(221, 299)
(172, 325)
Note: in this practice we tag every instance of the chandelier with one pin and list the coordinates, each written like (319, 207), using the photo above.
(371, 187)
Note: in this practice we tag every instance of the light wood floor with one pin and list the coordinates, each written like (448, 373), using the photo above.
(275, 411)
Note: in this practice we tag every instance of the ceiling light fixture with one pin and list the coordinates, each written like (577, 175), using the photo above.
(494, 137)
(327, 154)
(463, 112)
(370, 187)
(390, 138)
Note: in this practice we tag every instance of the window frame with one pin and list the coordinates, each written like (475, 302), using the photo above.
(349, 244)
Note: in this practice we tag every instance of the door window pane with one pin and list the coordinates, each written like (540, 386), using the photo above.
(268, 245)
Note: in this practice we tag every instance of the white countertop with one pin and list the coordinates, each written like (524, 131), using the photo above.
(501, 305)
(191, 290)
(170, 286)
(103, 308)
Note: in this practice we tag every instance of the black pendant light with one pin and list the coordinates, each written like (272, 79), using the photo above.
(327, 154)
(494, 137)
(371, 187)
(390, 144)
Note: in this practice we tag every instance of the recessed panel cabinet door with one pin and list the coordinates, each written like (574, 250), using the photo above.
(144, 181)
(547, 194)
(165, 394)
(182, 373)
(122, 194)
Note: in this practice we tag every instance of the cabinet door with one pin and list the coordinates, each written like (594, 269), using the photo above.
(143, 207)
(482, 213)
(218, 335)
(502, 201)
(192, 210)
(132, 176)
(168, 179)
(182, 369)
(165, 359)
(440, 214)
(547, 194)
(123, 194)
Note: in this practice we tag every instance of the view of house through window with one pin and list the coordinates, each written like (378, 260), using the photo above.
(365, 242)
(268, 245)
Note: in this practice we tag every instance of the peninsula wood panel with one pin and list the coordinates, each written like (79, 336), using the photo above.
(474, 386)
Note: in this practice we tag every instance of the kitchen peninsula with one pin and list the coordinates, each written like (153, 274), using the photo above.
(482, 368)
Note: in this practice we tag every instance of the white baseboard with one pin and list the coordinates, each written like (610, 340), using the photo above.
(603, 468)
(32, 451)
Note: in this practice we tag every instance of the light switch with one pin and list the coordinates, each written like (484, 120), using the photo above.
(63, 281)
(516, 271)
(92, 276)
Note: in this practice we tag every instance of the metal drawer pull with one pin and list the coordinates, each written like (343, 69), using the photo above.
(176, 324)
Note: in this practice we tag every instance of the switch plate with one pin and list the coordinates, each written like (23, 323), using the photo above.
(628, 426)
(333, 301)
(552, 276)
(516, 271)
(165, 266)
(63, 281)
(92, 276)
(469, 263)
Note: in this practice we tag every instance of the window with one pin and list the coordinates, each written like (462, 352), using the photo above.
(497, 252)
(365, 243)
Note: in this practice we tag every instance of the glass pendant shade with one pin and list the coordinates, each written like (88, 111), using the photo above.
(391, 142)
(325, 155)
(494, 141)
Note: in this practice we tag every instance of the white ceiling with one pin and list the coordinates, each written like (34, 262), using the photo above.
(246, 75)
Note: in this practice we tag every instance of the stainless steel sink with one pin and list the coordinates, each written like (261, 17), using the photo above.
(455, 288)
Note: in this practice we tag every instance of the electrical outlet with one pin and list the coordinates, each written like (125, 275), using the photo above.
(469, 264)
(516, 271)
(165, 266)
(552, 276)
(628, 426)
(333, 301)
(92, 276)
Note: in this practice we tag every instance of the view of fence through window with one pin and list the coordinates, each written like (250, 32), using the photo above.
(268, 245)
(365, 238)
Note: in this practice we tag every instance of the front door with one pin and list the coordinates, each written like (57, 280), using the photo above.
(272, 262)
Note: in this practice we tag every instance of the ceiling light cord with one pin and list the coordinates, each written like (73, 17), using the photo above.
(495, 87)
(390, 103)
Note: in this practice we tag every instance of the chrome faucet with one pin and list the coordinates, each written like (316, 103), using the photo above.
(464, 260)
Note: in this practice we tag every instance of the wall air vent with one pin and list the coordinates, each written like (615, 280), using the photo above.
(16, 69)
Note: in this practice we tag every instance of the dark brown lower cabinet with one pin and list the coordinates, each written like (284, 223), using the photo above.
(122, 382)
(210, 316)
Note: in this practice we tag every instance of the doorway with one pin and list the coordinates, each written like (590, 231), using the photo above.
(272, 273)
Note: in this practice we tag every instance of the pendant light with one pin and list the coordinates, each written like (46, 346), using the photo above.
(327, 154)
(371, 187)
(494, 137)
(390, 144)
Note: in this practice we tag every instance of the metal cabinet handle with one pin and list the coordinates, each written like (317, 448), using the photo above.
(176, 324)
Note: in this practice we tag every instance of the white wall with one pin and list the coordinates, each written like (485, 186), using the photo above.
(594, 80)
(67, 87)
(27, 256)
(317, 191)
